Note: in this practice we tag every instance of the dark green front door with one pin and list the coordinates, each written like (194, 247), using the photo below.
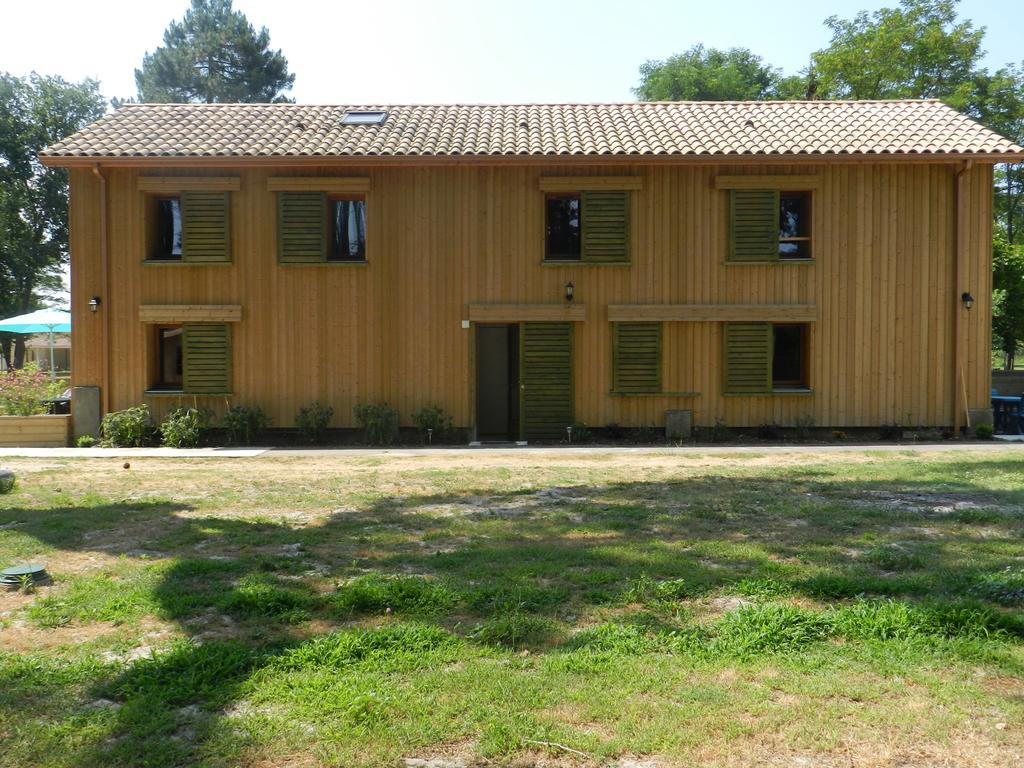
(545, 380)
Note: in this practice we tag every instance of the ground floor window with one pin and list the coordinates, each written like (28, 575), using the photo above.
(170, 358)
(789, 356)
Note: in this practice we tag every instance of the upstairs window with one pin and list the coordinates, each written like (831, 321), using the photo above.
(313, 227)
(167, 243)
(192, 227)
(348, 229)
(766, 225)
(794, 225)
(590, 227)
(563, 228)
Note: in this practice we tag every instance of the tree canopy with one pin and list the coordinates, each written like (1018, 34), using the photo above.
(710, 74)
(35, 112)
(214, 55)
(916, 51)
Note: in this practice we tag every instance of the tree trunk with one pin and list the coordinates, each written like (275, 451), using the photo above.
(19, 352)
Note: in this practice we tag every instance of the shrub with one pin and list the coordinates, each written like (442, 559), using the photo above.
(86, 441)
(769, 431)
(312, 421)
(581, 433)
(130, 428)
(23, 391)
(379, 422)
(244, 424)
(720, 432)
(433, 423)
(6, 482)
(804, 425)
(890, 431)
(184, 427)
(615, 430)
(984, 431)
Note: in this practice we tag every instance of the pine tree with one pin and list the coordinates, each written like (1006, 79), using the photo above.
(214, 55)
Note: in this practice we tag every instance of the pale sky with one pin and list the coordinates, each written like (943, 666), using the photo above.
(455, 50)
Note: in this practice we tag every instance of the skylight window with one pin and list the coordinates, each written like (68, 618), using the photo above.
(364, 118)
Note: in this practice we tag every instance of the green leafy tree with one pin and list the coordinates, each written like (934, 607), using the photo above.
(35, 112)
(999, 104)
(919, 50)
(1007, 296)
(214, 55)
(710, 74)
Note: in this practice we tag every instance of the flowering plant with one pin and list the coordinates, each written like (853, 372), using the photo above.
(23, 391)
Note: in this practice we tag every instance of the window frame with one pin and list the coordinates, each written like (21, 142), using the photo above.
(549, 257)
(808, 196)
(154, 239)
(157, 359)
(331, 256)
(804, 385)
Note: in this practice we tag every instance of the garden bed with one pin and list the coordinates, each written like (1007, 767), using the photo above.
(34, 431)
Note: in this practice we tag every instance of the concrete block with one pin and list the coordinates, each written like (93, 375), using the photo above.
(85, 411)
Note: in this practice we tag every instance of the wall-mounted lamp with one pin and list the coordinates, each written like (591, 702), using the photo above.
(967, 300)
(570, 291)
(94, 304)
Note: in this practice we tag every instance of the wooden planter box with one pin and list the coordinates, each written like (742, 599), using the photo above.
(34, 431)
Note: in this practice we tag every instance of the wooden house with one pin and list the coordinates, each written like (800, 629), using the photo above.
(525, 267)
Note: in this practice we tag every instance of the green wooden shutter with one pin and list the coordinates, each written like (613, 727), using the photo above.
(546, 377)
(636, 357)
(205, 227)
(748, 358)
(207, 358)
(753, 225)
(301, 227)
(605, 218)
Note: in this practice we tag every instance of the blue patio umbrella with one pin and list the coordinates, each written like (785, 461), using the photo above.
(48, 321)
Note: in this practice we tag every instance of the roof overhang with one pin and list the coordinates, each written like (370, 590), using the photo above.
(82, 161)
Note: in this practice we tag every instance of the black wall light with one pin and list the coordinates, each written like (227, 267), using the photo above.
(570, 292)
(94, 303)
(967, 299)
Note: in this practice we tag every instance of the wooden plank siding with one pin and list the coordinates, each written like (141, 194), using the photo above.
(882, 285)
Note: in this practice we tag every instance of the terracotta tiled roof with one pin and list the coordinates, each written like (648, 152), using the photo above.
(660, 128)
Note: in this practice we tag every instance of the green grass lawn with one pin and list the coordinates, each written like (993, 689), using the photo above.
(828, 610)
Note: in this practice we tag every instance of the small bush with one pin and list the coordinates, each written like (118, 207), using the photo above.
(772, 432)
(890, 432)
(984, 431)
(646, 434)
(615, 430)
(184, 427)
(312, 422)
(130, 428)
(838, 434)
(22, 391)
(243, 424)
(86, 441)
(434, 424)
(719, 432)
(379, 422)
(581, 433)
(7, 482)
(804, 425)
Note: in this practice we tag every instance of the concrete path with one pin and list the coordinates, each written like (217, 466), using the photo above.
(562, 451)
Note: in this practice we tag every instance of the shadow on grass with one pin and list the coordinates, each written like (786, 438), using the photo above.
(505, 570)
